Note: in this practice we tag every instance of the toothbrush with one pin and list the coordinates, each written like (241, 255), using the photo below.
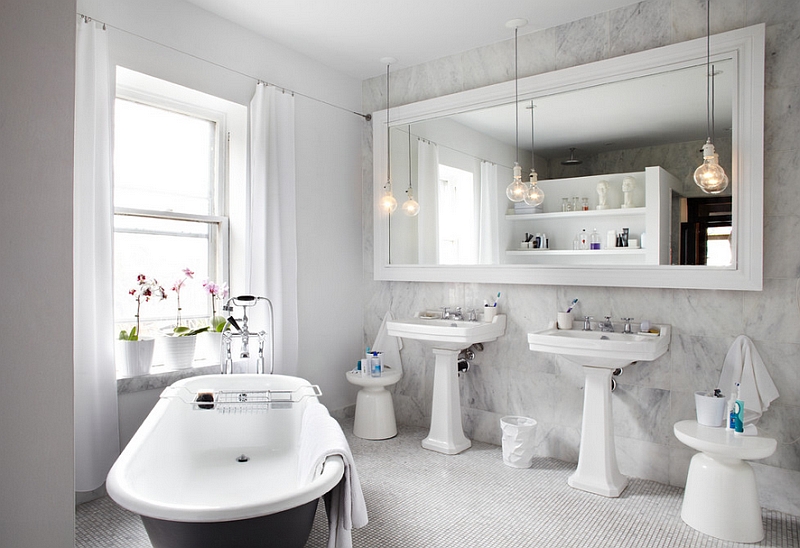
(497, 299)
(572, 305)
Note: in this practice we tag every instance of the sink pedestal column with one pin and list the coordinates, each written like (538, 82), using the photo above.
(446, 434)
(597, 462)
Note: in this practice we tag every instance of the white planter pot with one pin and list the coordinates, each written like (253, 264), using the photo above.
(209, 348)
(134, 357)
(179, 351)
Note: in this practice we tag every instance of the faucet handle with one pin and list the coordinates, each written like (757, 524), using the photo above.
(627, 327)
(445, 312)
(587, 323)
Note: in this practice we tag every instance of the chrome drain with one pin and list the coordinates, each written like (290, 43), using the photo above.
(242, 458)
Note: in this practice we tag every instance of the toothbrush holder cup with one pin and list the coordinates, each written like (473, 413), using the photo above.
(565, 320)
(489, 312)
(710, 409)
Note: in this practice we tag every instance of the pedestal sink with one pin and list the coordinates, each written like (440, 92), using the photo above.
(447, 338)
(600, 354)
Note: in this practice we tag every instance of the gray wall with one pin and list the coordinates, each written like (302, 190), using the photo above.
(651, 397)
(37, 50)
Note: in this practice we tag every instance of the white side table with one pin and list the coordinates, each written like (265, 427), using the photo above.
(721, 496)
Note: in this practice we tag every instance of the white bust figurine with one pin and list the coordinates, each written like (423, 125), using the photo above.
(628, 184)
(602, 190)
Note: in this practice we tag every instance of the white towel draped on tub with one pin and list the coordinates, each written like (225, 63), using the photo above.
(320, 437)
(744, 365)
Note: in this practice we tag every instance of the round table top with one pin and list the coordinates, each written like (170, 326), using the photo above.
(723, 442)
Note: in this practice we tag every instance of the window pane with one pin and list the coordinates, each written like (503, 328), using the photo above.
(457, 241)
(161, 249)
(163, 160)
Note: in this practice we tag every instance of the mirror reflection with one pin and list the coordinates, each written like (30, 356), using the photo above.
(615, 162)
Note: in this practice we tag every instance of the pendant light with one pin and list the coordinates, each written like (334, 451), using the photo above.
(534, 195)
(388, 202)
(517, 188)
(410, 206)
(710, 176)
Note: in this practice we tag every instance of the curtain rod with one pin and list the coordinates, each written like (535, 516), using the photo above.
(88, 18)
(425, 139)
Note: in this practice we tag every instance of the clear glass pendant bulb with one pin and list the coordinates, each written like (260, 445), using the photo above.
(710, 176)
(388, 201)
(410, 206)
(533, 194)
(517, 189)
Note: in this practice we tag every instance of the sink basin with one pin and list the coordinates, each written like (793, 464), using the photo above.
(446, 338)
(448, 334)
(599, 349)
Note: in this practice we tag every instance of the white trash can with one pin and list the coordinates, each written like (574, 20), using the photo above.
(518, 437)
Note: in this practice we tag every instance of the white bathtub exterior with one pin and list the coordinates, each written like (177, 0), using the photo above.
(181, 465)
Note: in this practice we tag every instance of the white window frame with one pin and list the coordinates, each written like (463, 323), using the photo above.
(147, 90)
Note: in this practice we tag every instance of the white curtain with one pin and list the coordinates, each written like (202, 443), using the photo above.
(488, 225)
(272, 239)
(428, 183)
(96, 419)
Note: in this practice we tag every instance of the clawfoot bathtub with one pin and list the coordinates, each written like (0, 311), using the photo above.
(203, 471)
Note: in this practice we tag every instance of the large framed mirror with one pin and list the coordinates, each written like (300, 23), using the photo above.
(615, 144)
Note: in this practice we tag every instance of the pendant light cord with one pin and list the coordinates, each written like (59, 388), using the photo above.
(409, 160)
(709, 70)
(533, 148)
(516, 88)
(388, 137)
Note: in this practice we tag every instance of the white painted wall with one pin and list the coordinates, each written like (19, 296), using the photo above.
(37, 56)
(328, 153)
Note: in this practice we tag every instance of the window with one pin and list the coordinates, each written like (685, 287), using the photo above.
(171, 190)
(457, 241)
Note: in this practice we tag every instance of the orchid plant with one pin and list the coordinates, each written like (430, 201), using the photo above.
(181, 330)
(145, 290)
(217, 292)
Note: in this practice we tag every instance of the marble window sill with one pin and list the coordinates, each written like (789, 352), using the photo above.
(159, 377)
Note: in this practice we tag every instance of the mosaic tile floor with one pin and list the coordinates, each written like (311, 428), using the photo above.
(418, 498)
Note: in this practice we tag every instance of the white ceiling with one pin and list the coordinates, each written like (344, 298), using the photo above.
(353, 35)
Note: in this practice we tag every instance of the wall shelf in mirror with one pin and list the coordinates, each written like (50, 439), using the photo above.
(617, 212)
(651, 112)
(650, 195)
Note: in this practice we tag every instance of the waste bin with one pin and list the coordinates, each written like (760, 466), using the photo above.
(518, 436)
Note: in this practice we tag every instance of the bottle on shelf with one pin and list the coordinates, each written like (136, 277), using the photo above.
(585, 204)
(594, 240)
(583, 240)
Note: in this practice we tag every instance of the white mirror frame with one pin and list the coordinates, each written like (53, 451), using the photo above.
(745, 46)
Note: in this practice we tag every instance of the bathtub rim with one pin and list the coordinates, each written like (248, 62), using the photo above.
(121, 490)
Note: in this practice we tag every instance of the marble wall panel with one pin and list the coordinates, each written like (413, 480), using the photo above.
(510, 379)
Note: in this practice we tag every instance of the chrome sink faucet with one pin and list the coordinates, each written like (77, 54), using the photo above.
(607, 326)
(447, 315)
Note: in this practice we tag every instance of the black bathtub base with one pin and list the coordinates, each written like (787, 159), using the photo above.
(287, 529)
